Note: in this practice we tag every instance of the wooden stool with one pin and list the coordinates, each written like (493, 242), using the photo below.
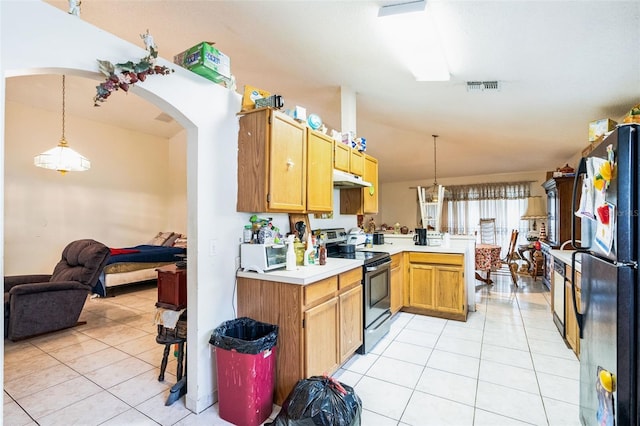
(169, 337)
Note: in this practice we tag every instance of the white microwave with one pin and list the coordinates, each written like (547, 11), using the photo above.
(262, 257)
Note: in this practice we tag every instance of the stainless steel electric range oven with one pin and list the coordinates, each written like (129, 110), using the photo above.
(376, 271)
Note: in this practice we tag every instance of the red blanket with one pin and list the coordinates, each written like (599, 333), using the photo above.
(115, 251)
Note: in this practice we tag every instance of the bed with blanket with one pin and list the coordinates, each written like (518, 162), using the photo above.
(135, 264)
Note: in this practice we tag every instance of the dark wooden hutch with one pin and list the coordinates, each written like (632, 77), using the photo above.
(559, 217)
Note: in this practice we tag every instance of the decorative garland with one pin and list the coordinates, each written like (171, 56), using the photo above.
(123, 75)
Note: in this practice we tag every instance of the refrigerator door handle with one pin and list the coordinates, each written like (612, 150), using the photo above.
(579, 315)
(582, 169)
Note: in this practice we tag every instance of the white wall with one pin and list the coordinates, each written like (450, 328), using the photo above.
(131, 191)
(399, 203)
(177, 186)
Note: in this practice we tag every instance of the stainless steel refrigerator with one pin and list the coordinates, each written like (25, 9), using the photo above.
(605, 198)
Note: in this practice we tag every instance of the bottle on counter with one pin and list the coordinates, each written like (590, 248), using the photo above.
(291, 254)
(309, 253)
(247, 234)
(322, 254)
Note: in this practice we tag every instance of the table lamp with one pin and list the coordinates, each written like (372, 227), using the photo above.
(536, 209)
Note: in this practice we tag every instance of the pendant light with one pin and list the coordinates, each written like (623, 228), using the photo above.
(62, 158)
(432, 193)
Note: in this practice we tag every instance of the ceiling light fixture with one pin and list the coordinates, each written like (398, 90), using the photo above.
(432, 193)
(412, 34)
(62, 158)
(399, 8)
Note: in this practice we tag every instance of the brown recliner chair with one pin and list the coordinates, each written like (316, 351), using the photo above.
(37, 304)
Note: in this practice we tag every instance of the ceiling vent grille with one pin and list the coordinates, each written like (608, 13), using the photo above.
(482, 86)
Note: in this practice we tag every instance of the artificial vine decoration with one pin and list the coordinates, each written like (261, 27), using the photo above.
(123, 75)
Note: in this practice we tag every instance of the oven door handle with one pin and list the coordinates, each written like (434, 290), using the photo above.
(375, 268)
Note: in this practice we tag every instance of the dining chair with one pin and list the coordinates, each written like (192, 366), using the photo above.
(512, 256)
(488, 231)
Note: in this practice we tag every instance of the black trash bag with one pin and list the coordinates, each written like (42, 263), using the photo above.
(245, 335)
(320, 401)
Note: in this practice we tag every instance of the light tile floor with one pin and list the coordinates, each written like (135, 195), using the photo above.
(507, 365)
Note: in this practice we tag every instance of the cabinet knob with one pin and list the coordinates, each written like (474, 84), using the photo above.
(290, 164)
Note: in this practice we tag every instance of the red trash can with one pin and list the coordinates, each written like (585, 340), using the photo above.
(246, 366)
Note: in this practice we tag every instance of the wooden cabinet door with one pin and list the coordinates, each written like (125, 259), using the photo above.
(342, 154)
(396, 283)
(287, 165)
(571, 324)
(321, 331)
(350, 320)
(449, 289)
(421, 286)
(370, 193)
(572, 332)
(319, 172)
(356, 162)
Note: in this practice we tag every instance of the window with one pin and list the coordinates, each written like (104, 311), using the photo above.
(504, 201)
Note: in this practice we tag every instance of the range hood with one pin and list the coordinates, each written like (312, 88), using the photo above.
(347, 180)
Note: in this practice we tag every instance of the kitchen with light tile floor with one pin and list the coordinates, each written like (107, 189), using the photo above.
(507, 365)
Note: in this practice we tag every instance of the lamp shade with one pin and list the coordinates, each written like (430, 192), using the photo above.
(536, 209)
(63, 159)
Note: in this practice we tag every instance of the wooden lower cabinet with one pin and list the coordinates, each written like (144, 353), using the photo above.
(397, 280)
(319, 324)
(350, 322)
(434, 285)
(572, 332)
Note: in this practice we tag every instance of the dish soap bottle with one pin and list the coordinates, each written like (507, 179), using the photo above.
(309, 258)
(291, 254)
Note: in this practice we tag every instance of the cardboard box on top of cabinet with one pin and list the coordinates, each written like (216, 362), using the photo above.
(600, 127)
(205, 60)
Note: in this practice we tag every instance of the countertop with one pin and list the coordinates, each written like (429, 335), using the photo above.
(304, 275)
(565, 257)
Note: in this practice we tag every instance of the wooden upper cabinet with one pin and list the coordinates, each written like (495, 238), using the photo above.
(370, 198)
(342, 156)
(356, 162)
(272, 167)
(362, 200)
(319, 172)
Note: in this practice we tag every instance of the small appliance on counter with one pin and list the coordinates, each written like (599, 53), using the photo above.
(378, 238)
(420, 237)
(262, 257)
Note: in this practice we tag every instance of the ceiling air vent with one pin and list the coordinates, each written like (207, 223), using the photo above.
(482, 86)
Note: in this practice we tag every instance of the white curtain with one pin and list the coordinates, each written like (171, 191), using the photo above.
(504, 201)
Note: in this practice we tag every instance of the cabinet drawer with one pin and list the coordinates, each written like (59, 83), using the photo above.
(437, 258)
(350, 278)
(321, 289)
(567, 271)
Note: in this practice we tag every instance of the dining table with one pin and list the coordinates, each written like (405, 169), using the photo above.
(487, 260)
